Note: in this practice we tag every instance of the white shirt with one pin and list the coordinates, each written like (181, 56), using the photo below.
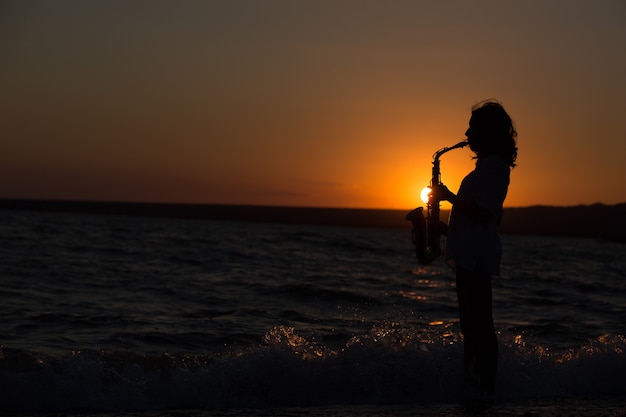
(473, 243)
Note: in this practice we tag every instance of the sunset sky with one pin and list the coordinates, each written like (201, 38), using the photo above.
(306, 103)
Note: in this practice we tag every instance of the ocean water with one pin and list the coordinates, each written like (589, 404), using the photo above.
(110, 315)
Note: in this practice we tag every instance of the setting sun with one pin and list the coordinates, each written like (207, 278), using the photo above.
(424, 194)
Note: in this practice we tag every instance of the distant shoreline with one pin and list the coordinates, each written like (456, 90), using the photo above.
(597, 220)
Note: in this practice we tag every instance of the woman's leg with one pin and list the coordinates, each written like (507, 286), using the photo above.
(476, 316)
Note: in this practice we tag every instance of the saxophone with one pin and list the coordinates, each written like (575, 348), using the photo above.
(427, 231)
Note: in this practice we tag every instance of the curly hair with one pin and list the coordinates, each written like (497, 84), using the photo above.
(497, 131)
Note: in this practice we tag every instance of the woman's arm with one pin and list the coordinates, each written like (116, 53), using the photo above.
(442, 193)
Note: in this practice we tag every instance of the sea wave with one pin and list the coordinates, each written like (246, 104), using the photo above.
(390, 364)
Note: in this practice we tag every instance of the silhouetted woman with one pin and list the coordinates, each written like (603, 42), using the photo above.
(473, 246)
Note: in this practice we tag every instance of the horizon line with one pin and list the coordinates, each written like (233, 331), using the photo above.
(253, 205)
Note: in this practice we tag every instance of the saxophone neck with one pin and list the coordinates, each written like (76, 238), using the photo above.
(449, 148)
(436, 177)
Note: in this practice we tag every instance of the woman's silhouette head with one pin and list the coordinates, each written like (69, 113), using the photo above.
(492, 132)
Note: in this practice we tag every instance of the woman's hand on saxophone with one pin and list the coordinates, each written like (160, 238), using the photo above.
(441, 193)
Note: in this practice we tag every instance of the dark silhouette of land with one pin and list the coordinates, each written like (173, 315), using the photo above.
(597, 220)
